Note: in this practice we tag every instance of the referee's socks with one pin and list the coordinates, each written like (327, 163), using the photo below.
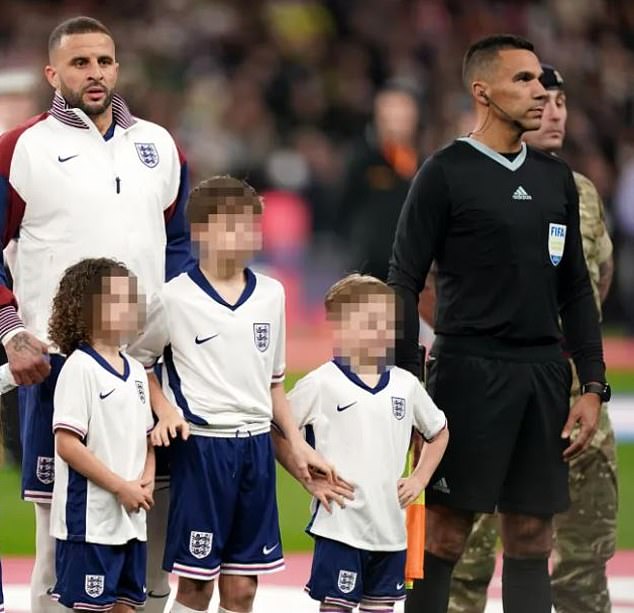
(526, 585)
(431, 594)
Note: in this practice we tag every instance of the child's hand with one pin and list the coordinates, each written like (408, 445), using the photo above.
(134, 496)
(312, 463)
(409, 489)
(327, 492)
(169, 427)
(148, 486)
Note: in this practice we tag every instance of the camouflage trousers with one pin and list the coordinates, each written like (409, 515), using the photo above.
(585, 538)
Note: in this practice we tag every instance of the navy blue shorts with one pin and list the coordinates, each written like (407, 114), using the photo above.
(36, 435)
(223, 512)
(344, 576)
(93, 577)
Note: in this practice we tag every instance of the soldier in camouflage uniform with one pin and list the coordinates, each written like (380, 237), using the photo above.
(585, 536)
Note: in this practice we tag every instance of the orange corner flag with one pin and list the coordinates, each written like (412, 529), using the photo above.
(415, 522)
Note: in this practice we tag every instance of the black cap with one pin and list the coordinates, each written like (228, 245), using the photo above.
(551, 78)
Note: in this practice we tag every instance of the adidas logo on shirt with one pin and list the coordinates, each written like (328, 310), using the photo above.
(521, 194)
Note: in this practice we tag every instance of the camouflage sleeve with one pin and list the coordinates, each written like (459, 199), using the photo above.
(604, 240)
(597, 246)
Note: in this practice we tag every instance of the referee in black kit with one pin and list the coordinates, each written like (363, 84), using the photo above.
(502, 222)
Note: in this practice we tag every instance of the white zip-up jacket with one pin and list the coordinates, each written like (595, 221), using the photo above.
(67, 192)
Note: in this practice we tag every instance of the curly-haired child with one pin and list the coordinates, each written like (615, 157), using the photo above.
(104, 466)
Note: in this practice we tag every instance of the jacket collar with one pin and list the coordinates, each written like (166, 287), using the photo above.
(61, 110)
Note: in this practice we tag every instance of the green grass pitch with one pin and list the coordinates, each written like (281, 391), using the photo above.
(17, 524)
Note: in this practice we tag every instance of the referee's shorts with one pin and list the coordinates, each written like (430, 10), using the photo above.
(506, 407)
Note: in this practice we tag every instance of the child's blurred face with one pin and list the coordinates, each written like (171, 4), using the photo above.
(120, 315)
(367, 329)
(230, 235)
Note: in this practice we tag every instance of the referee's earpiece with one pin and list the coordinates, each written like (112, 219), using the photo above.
(484, 97)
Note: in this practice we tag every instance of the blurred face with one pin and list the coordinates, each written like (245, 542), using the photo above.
(514, 87)
(396, 117)
(84, 70)
(118, 310)
(233, 236)
(551, 134)
(367, 330)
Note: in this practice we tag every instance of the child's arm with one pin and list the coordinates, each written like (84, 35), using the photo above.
(147, 476)
(131, 494)
(304, 457)
(431, 422)
(319, 487)
(147, 348)
(170, 421)
(430, 456)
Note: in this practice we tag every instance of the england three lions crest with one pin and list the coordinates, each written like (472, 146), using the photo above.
(140, 388)
(148, 154)
(93, 585)
(200, 544)
(347, 581)
(262, 336)
(45, 470)
(398, 407)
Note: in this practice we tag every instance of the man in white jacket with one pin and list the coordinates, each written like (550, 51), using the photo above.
(84, 179)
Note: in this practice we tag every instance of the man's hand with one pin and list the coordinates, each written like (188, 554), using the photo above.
(27, 358)
(326, 492)
(409, 489)
(169, 426)
(135, 495)
(584, 412)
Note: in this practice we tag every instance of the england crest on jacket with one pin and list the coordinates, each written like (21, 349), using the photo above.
(148, 154)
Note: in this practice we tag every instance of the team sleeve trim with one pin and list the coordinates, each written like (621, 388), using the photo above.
(61, 425)
(149, 368)
(10, 323)
(432, 438)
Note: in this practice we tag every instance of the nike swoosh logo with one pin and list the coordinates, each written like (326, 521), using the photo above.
(346, 406)
(400, 586)
(70, 157)
(267, 550)
(103, 396)
(200, 341)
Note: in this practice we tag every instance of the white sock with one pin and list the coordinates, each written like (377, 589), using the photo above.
(177, 607)
(223, 610)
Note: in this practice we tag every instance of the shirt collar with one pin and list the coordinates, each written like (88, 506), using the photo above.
(61, 110)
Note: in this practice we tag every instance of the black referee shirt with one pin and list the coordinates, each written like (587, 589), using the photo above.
(504, 232)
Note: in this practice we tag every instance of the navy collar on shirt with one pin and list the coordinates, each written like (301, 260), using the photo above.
(86, 348)
(198, 277)
(110, 131)
(384, 379)
(62, 111)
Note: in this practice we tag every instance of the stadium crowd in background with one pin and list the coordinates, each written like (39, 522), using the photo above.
(281, 91)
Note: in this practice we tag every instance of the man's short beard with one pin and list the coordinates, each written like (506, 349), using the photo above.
(75, 101)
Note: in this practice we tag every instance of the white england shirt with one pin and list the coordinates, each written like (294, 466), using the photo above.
(365, 432)
(219, 359)
(111, 413)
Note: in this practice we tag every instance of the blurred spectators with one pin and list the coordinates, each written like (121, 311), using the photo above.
(380, 169)
(259, 87)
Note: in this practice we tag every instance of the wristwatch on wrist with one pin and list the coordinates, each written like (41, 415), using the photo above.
(603, 390)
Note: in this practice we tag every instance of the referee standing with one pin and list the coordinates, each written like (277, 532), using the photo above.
(502, 222)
